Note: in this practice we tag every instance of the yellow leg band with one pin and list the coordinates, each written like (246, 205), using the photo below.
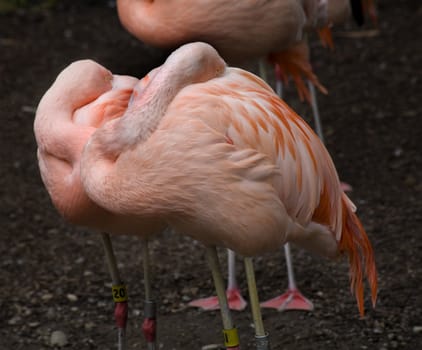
(119, 293)
(231, 338)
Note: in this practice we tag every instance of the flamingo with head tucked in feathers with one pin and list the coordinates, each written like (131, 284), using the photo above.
(241, 31)
(207, 149)
(233, 29)
(83, 97)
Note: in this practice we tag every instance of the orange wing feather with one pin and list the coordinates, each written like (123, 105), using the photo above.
(354, 241)
(299, 152)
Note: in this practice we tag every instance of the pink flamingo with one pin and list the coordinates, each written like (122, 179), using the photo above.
(212, 152)
(232, 30)
(120, 163)
(83, 97)
(242, 31)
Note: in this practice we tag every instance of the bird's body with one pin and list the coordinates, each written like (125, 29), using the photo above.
(239, 30)
(213, 152)
(83, 98)
(244, 150)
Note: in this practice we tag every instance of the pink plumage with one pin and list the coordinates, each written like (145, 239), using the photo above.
(211, 151)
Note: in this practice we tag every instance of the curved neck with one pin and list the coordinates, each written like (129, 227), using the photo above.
(190, 64)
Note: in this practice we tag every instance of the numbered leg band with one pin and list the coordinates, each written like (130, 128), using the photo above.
(119, 293)
(231, 338)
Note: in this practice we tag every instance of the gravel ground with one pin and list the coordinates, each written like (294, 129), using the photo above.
(55, 285)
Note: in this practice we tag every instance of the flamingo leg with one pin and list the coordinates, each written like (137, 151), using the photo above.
(149, 325)
(119, 292)
(315, 111)
(318, 125)
(234, 297)
(261, 337)
(231, 339)
(292, 299)
(262, 70)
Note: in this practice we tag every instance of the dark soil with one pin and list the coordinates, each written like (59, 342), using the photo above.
(53, 275)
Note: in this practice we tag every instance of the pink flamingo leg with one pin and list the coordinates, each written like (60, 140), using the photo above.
(120, 299)
(234, 297)
(292, 299)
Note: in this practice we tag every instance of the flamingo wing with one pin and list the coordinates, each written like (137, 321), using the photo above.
(222, 143)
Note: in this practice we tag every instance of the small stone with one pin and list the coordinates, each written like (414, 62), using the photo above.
(58, 338)
(71, 297)
(136, 312)
(378, 327)
(26, 311)
(102, 304)
(28, 109)
(53, 231)
(47, 297)
(89, 325)
(33, 324)
(37, 217)
(213, 347)
(417, 329)
(80, 260)
(14, 320)
(51, 313)
(398, 152)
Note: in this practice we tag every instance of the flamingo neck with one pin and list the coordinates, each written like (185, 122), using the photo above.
(190, 64)
(143, 115)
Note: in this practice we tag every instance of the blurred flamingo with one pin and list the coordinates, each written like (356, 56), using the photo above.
(240, 31)
(244, 30)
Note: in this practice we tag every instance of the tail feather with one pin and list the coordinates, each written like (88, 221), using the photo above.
(354, 241)
(326, 37)
(294, 62)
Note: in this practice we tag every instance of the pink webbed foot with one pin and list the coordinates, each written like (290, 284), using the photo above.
(234, 299)
(207, 304)
(292, 299)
